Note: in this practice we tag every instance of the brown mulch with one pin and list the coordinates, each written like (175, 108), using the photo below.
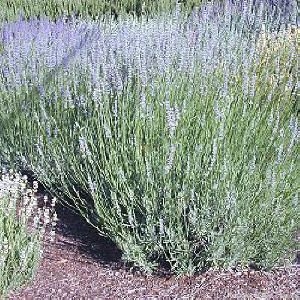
(80, 264)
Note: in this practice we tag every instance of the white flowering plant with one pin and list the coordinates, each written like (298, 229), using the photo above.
(20, 244)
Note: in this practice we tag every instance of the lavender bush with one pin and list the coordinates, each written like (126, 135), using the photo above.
(175, 136)
(20, 246)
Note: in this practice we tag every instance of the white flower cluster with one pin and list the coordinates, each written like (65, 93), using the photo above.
(19, 204)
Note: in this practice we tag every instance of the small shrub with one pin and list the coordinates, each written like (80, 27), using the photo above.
(20, 246)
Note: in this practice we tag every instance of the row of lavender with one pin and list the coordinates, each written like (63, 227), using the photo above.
(115, 51)
(174, 136)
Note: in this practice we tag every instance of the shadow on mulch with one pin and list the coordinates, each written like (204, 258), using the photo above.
(76, 232)
(89, 242)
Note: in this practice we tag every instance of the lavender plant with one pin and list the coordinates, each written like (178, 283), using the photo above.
(20, 245)
(174, 136)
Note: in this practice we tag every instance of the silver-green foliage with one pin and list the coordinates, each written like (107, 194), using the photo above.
(198, 167)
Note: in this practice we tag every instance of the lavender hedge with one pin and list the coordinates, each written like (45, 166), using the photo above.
(175, 136)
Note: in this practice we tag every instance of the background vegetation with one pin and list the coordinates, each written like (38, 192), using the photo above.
(89, 8)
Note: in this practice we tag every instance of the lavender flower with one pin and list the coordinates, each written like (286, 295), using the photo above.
(172, 115)
(83, 147)
(170, 158)
(161, 227)
(143, 104)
